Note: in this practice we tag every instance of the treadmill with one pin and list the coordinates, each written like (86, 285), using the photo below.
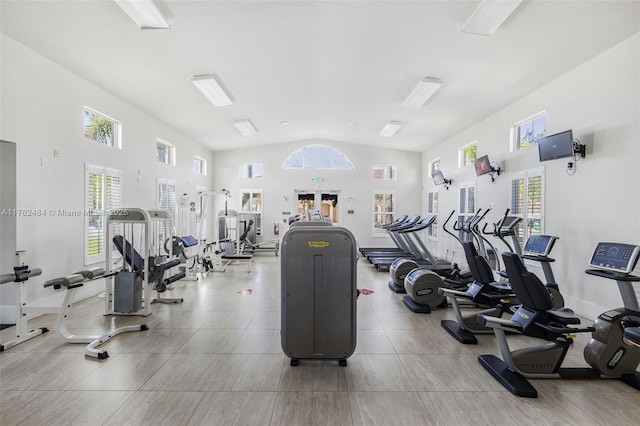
(402, 244)
(419, 251)
(399, 221)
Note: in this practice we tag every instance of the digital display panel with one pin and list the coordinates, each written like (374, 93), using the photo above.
(539, 245)
(615, 257)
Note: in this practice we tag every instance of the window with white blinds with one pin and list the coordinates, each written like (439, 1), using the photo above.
(383, 210)
(466, 208)
(165, 199)
(527, 201)
(201, 226)
(103, 193)
(432, 208)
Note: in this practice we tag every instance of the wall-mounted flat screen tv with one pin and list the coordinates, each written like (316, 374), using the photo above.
(438, 178)
(482, 165)
(556, 146)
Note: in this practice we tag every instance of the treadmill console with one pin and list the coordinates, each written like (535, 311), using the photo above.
(539, 245)
(509, 223)
(615, 257)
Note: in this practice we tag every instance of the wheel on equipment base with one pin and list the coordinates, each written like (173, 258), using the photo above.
(342, 362)
(294, 362)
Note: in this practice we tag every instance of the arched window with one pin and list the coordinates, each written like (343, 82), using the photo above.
(317, 157)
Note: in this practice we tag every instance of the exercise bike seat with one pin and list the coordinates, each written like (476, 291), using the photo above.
(564, 316)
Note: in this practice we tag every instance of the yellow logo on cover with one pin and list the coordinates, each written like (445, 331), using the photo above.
(318, 244)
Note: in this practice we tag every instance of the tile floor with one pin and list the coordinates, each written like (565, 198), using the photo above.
(216, 360)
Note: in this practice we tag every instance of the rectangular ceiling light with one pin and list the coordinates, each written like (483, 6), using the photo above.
(390, 129)
(245, 127)
(422, 92)
(144, 13)
(489, 15)
(210, 87)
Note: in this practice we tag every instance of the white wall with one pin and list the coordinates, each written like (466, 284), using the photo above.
(42, 110)
(7, 220)
(599, 100)
(357, 184)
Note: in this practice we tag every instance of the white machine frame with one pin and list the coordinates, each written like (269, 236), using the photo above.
(133, 217)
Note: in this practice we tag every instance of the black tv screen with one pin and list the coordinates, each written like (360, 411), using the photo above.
(556, 146)
(438, 178)
(482, 165)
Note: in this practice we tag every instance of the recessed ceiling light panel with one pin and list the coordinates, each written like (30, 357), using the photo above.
(489, 15)
(210, 87)
(390, 129)
(144, 13)
(245, 127)
(422, 92)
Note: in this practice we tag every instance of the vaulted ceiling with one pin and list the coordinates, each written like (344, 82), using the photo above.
(333, 70)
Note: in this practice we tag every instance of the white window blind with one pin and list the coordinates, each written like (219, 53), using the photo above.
(103, 189)
(432, 208)
(527, 201)
(383, 210)
(165, 199)
(467, 207)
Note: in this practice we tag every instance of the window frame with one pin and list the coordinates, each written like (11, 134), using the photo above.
(116, 132)
(101, 210)
(386, 172)
(167, 201)
(464, 212)
(434, 166)
(252, 193)
(432, 208)
(203, 166)
(386, 194)
(463, 160)
(528, 218)
(250, 171)
(171, 152)
(515, 140)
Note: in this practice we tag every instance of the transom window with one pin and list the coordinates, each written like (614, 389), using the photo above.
(251, 170)
(434, 166)
(528, 131)
(384, 172)
(200, 166)
(317, 157)
(101, 128)
(165, 152)
(467, 154)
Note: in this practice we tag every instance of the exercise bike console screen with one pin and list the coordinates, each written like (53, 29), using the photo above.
(539, 245)
(615, 257)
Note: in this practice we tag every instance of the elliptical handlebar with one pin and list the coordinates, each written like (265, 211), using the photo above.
(455, 226)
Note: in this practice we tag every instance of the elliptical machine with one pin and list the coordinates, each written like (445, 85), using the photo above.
(537, 249)
(450, 272)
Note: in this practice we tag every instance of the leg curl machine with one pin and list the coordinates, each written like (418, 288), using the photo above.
(71, 283)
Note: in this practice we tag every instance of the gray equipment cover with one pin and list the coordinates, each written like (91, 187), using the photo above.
(318, 285)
